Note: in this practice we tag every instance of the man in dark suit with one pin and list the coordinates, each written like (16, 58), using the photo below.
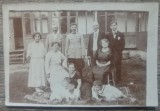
(117, 44)
(94, 41)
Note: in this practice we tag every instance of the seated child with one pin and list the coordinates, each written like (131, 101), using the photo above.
(105, 92)
(71, 94)
(74, 75)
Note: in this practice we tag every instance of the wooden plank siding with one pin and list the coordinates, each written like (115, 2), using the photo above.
(2, 92)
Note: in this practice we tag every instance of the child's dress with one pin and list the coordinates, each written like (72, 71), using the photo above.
(36, 77)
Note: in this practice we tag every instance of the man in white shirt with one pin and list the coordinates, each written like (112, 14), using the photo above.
(94, 41)
(53, 37)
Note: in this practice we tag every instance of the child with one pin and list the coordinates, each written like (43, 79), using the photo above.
(71, 94)
(105, 92)
(35, 54)
(74, 75)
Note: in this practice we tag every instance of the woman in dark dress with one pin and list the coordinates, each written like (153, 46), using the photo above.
(103, 62)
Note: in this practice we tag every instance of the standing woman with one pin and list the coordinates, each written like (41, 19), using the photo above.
(35, 54)
(75, 48)
(103, 60)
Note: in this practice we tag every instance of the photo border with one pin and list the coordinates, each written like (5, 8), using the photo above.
(152, 41)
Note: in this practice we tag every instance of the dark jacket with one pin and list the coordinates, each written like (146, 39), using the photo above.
(90, 42)
(117, 44)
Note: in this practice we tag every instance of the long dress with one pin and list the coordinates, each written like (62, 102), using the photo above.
(100, 73)
(57, 73)
(36, 77)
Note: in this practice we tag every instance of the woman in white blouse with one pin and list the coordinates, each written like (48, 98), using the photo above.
(55, 64)
(36, 54)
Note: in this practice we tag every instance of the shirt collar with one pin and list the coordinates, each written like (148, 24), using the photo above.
(71, 75)
(115, 31)
(96, 31)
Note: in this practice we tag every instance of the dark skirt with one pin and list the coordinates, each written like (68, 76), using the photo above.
(101, 73)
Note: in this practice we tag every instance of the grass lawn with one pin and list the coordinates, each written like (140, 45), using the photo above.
(133, 77)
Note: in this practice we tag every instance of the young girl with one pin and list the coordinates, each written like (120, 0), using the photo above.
(35, 54)
(74, 75)
(71, 93)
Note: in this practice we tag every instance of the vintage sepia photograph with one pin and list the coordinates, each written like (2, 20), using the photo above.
(81, 55)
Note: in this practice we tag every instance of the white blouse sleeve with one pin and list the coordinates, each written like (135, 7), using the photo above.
(44, 50)
(29, 52)
(47, 63)
(64, 60)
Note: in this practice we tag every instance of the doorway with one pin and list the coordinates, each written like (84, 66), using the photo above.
(18, 33)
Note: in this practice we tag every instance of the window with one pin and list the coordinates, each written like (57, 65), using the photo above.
(90, 18)
(36, 22)
(82, 22)
(101, 20)
(27, 23)
(66, 18)
(44, 21)
(63, 22)
(131, 22)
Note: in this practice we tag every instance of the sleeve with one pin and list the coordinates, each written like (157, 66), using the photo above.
(29, 52)
(96, 57)
(47, 43)
(44, 51)
(123, 42)
(83, 45)
(88, 48)
(64, 60)
(62, 56)
(112, 59)
(78, 76)
(47, 63)
(66, 45)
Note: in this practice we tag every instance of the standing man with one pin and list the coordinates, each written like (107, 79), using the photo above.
(94, 42)
(53, 37)
(75, 48)
(117, 44)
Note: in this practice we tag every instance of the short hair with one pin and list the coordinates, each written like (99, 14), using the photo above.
(55, 42)
(73, 24)
(112, 22)
(35, 33)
